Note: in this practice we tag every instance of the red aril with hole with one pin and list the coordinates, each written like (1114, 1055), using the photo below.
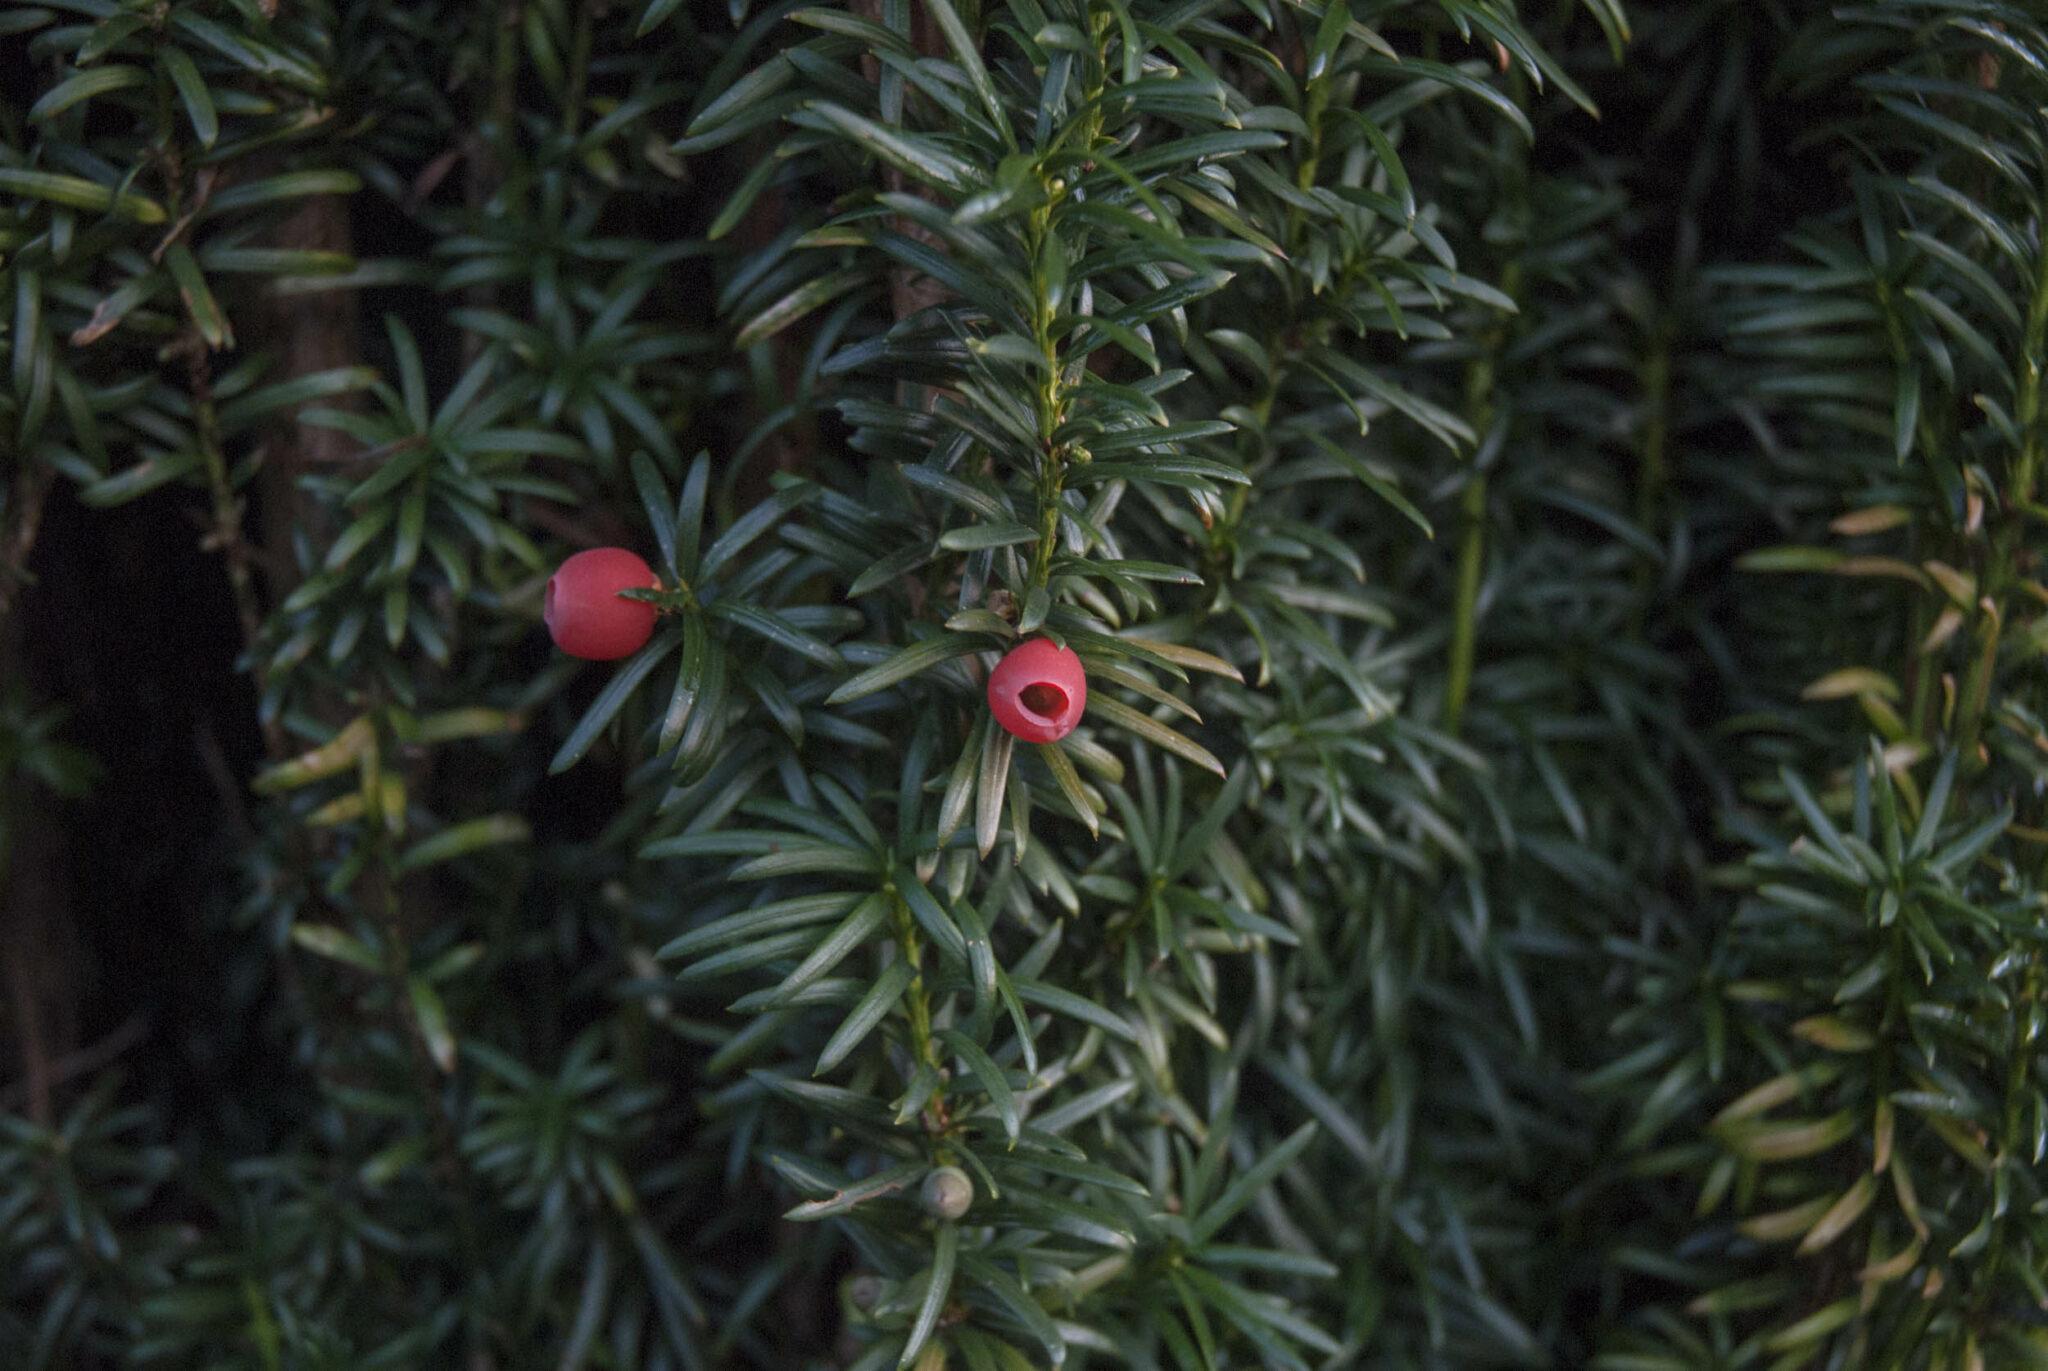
(584, 613)
(1038, 690)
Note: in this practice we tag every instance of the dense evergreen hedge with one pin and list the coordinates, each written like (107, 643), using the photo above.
(1546, 499)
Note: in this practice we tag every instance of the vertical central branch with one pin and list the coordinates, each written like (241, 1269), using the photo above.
(917, 996)
(1051, 404)
(1480, 409)
(2005, 543)
(227, 535)
(1051, 396)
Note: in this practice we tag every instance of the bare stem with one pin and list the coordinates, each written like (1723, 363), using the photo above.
(25, 519)
(2005, 544)
(1479, 408)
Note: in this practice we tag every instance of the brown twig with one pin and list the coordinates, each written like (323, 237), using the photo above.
(215, 760)
(224, 532)
(28, 1027)
(33, 925)
(596, 527)
(82, 1062)
(25, 519)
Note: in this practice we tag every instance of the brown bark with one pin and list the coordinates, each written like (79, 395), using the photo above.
(487, 152)
(790, 447)
(908, 291)
(312, 332)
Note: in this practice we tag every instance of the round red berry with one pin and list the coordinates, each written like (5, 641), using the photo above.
(583, 610)
(1038, 691)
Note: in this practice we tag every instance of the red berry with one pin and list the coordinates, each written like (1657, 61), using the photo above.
(584, 612)
(1038, 691)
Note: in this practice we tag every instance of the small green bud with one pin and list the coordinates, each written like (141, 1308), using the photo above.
(862, 1292)
(948, 1193)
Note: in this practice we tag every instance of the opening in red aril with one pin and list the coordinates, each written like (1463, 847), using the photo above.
(1046, 701)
